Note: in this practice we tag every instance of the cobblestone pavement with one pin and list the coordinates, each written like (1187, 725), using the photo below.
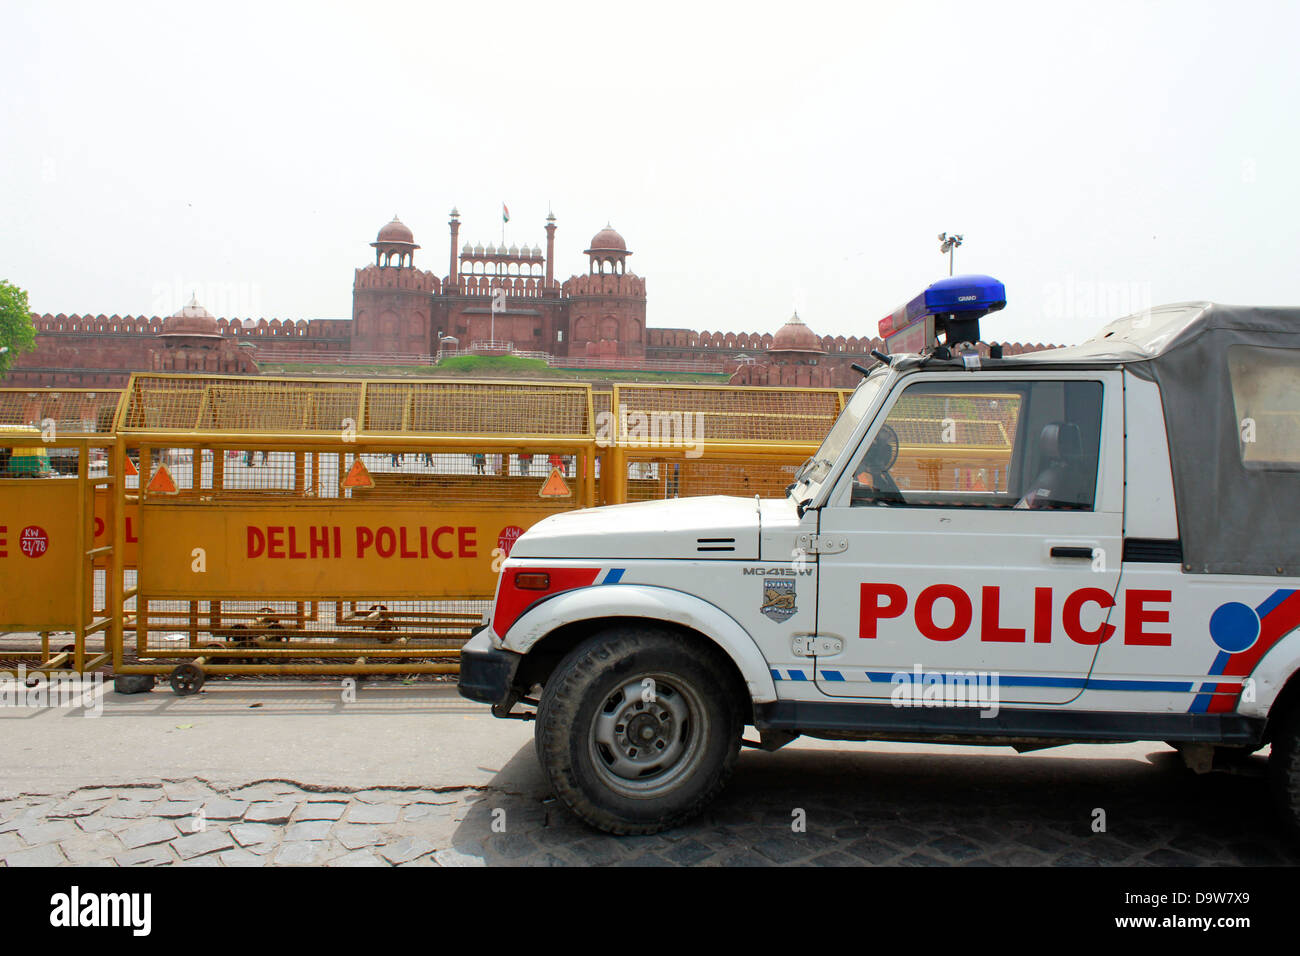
(859, 808)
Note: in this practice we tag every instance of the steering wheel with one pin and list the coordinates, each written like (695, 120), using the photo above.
(882, 454)
(880, 457)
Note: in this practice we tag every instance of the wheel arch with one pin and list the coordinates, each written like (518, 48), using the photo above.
(1276, 680)
(548, 631)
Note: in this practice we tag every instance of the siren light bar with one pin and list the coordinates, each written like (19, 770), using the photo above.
(951, 307)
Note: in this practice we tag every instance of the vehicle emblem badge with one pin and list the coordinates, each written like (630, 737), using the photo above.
(778, 599)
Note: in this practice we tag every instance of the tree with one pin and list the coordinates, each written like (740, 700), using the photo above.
(16, 329)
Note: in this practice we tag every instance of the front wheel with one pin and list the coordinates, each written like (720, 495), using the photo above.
(1284, 771)
(639, 729)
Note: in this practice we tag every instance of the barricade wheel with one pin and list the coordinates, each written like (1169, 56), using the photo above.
(270, 621)
(378, 619)
(187, 679)
(242, 644)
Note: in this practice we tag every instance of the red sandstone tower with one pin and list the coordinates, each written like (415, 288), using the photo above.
(392, 300)
(607, 306)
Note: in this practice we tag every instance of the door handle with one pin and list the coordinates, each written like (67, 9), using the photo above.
(1064, 551)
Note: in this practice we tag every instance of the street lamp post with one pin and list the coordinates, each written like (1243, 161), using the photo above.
(948, 244)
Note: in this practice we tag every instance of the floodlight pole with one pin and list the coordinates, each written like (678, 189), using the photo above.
(949, 245)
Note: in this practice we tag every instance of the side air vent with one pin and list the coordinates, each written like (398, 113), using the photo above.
(715, 544)
(1153, 550)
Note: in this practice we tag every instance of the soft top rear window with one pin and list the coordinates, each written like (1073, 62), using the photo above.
(1266, 396)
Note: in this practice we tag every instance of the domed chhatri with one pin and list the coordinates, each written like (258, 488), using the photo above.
(795, 336)
(192, 320)
(396, 231)
(395, 245)
(608, 240)
(608, 252)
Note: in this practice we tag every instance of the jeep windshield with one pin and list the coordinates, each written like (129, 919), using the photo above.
(861, 404)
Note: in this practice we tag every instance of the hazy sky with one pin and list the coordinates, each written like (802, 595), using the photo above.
(1097, 157)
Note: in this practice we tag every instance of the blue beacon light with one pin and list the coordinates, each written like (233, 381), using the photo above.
(951, 306)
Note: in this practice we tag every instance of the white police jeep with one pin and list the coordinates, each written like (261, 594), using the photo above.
(1087, 544)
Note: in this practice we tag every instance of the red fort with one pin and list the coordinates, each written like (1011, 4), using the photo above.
(492, 298)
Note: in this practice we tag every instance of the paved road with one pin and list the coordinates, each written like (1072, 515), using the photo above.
(291, 774)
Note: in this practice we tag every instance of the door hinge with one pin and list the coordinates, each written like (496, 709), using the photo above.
(809, 645)
(823, 543)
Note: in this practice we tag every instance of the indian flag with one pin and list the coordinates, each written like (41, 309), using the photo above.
(505, 213)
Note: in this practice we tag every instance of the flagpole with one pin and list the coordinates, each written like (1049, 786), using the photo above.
(505, 217)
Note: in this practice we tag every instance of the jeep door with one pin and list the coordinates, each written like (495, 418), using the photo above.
(977, 531)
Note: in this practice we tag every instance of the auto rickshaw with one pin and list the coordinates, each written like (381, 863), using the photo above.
(23, 461)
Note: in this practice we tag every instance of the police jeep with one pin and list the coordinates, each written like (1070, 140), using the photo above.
(1084, 544)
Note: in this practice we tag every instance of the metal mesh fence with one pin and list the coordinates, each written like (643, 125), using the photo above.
(660, 414)
(278, 407)
(650, 479)
(478, 408)
(265, 630)
(239, 405)
(73, 412)
(290, 406)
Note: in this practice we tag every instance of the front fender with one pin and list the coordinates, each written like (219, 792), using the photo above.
(651, 603)
(1271, 674)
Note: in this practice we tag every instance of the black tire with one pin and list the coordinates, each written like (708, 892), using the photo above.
(630, 761)
(187, 679)
(133, 683)
(1284, 771)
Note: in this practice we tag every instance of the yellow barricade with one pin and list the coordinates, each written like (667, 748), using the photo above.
(685, 440)
(53, 468)
(294, 526)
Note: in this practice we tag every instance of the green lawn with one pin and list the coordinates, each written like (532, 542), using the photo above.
(493, 366)
(487, 366)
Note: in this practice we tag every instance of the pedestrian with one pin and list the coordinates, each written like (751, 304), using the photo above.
(557, 461)
(479, 460)
(525, 463)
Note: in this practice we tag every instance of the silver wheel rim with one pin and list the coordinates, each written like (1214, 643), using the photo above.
(647, 735)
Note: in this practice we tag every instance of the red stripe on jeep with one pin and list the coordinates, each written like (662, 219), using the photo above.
(513, 601)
